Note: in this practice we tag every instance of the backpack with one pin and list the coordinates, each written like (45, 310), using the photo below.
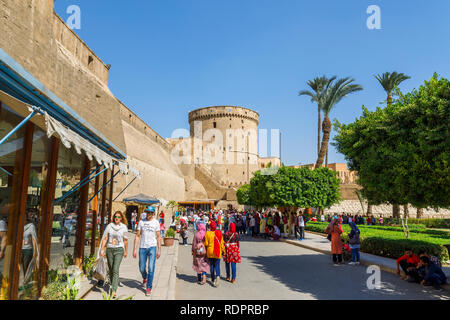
(355, 239)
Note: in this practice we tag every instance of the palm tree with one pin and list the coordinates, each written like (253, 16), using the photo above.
(317, 85)
(331, 96)
(389, 81)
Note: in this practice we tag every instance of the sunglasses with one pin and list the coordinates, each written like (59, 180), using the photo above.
(117, 217)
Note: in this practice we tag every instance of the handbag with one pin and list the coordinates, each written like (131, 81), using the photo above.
(100, 269)
(200, 252)
(228, 246)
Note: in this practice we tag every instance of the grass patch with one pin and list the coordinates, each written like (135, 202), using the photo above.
(390, 241)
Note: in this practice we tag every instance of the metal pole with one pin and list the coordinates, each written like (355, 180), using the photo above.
(6, 171)
(125, 188)
(104, 186)
(248, 160)
(31, 115)
(75, 189)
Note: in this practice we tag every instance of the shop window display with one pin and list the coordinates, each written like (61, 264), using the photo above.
(10, 171)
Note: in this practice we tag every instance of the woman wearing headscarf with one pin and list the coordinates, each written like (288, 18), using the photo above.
(355, 243)
(335, 231)
(232, 254)
(262, 225)
(214, 247)
(200, 262)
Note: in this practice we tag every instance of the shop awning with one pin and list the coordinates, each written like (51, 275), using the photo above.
(142, 199)
(52, 126)
(17, 82)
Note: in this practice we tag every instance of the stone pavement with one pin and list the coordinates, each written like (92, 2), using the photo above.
(130, 283)
(320, 243)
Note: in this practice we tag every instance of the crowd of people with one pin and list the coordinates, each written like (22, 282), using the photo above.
(269, 224)
(217, 236)
(423, 268)
(356, 219)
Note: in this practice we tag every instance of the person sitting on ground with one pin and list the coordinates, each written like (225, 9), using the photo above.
(433, 259)
(421, 266)
(276, 233)
(409, 262)
(433, 274)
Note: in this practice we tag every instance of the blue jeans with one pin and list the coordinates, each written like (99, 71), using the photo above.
(436, 280)
(355, 255)
(200, 275)
(147, 254)
(233, 270)
(133, 225)
(162, 234)
(214, 268)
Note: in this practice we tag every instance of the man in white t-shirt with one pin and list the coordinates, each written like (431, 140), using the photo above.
(133, 220)
(149, 238)
(301, 226)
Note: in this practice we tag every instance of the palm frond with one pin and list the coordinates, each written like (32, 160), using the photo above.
(317, 86)
(389, 81)
(335, 92)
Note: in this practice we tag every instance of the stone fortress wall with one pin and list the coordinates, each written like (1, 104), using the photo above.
(237, 128)
(38, 39)
(148, 152)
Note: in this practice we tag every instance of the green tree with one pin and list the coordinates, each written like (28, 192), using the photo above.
(243, 195)
(317, 86)
(261, 193)
(334, 92)
(402, 152)
(296, 187)
(390, 81)
(172, 204)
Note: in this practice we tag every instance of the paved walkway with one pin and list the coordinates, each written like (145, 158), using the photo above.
(274, 270)
(131, 280)
(320, 243)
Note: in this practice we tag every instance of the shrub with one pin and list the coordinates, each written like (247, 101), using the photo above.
(395, 248)
(170, 233)
(432, 223)
(88, 265)
(390, 242)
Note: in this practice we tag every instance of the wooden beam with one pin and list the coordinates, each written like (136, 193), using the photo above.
(17, 217)
(81, 218)
(94, 216)
(110, 195)
(103, 212)
(45, 227)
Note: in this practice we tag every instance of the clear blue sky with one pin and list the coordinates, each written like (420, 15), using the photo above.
(170, 57)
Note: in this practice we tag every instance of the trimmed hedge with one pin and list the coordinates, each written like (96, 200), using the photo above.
(384, 241)
(432, 223)
(395, 248)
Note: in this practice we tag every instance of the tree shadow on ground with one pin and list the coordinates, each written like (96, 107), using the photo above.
(316, 275)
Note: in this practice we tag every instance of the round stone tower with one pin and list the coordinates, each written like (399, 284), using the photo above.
(225, 142)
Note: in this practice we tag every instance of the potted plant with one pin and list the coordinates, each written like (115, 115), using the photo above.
(169, 238)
